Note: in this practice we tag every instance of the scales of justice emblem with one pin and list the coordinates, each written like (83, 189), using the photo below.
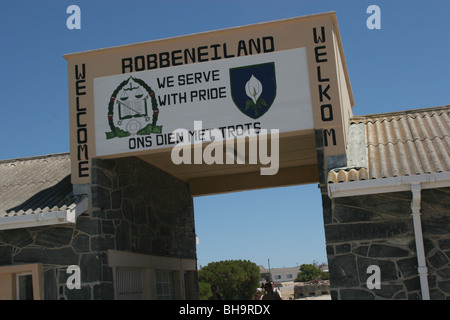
(132, 110)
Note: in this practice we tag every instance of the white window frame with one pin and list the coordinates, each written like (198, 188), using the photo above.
(165, 287)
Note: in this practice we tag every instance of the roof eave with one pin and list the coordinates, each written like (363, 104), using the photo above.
(387, 185)
(45, 218)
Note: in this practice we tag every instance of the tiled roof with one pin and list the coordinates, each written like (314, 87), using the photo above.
(407, 143)
(35, 185)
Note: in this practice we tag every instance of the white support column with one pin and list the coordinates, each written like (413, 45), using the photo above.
(422, 267)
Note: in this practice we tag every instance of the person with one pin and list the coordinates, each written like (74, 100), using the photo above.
(258, 295)
(276, 290)
(216, 295)
(271, 294)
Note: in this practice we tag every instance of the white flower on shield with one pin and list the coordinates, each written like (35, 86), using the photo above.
(253, 88)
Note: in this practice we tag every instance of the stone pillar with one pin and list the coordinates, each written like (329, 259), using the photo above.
(139, 208)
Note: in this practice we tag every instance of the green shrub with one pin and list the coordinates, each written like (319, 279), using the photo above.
(236, 279)
(309, 272)
(204, 290)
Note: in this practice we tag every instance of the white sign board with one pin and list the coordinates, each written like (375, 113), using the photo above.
(140, 111)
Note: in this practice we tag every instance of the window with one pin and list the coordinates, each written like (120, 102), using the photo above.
(129, 283)
(164, 285)
(149, 277)
(289, 276)
(277, 277)
(24, 286)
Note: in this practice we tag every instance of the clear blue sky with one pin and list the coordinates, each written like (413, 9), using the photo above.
(404, 65)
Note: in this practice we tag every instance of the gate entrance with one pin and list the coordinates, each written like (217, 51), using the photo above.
(154, 124)
(278, 229)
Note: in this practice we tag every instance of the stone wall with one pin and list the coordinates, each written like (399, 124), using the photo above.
(142, 209)
(378, 230)
(56, 247)
(135, 207)
(304, 289)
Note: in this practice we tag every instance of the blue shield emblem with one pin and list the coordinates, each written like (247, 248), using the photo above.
(253, 88)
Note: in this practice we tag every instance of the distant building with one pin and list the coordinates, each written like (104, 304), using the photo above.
(324, 268)
(283, 274)
(279, 274)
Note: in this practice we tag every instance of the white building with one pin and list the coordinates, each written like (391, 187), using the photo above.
(279, 274)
